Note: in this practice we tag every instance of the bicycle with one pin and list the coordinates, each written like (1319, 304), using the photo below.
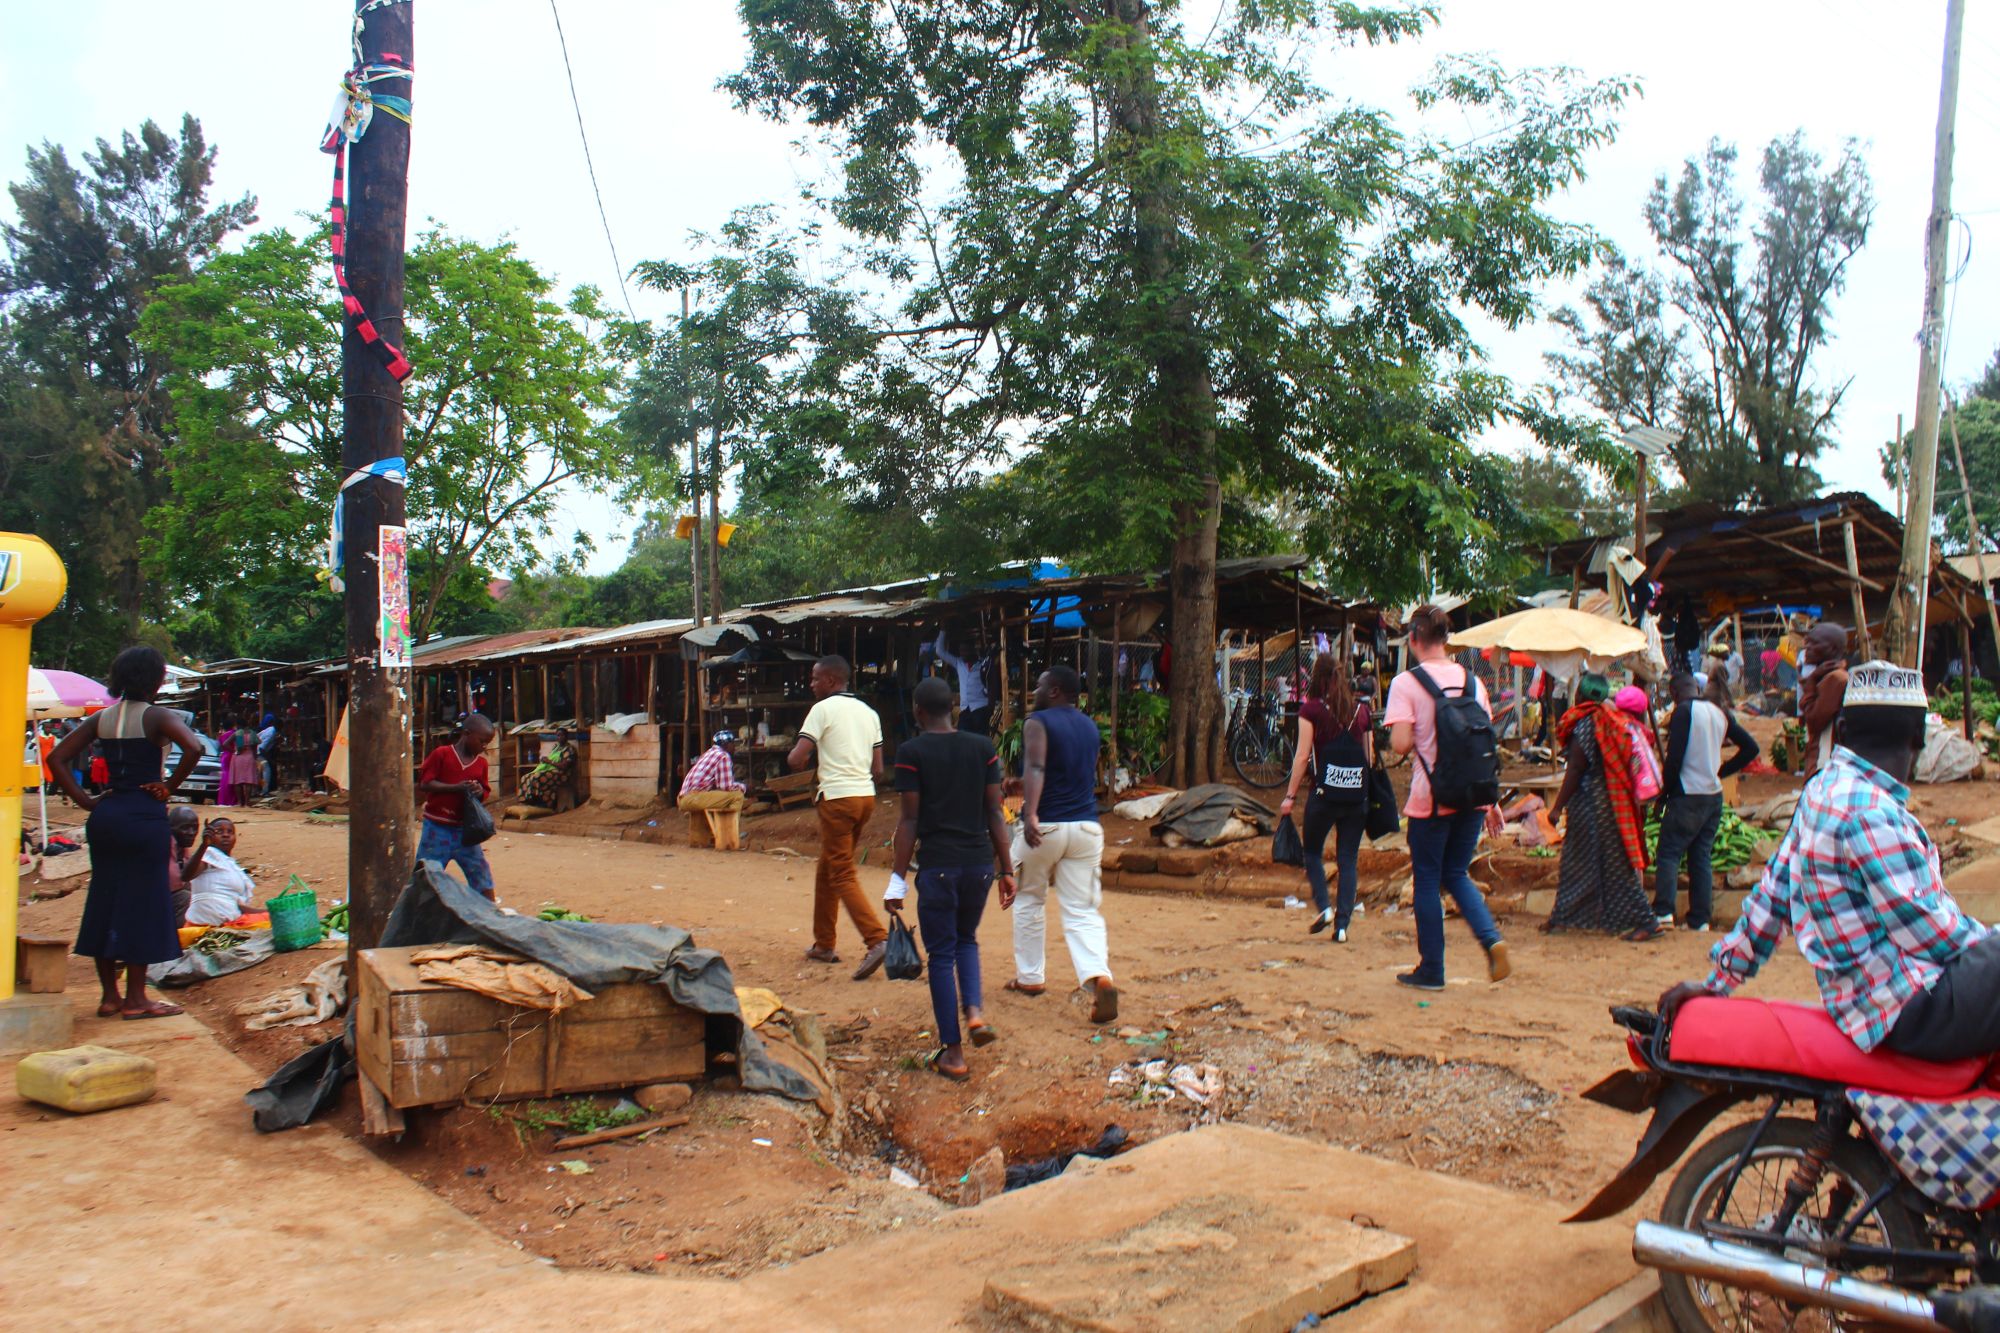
(1261, 741)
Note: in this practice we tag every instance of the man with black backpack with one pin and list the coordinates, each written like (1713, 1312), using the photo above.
(1440, 711)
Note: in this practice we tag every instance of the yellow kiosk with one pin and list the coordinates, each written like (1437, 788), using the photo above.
(32, 581)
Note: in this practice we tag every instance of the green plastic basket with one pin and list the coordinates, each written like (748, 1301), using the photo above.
(295, 917)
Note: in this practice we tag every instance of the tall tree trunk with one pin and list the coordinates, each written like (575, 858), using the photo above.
(1186, 422)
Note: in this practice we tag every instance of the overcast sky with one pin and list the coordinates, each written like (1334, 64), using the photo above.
(497, 154)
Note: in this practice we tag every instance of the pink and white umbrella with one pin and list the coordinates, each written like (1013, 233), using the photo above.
(53, 693)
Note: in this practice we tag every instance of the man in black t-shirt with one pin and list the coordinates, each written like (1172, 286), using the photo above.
(949, 782)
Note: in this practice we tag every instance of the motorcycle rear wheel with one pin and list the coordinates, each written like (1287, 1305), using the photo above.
(1853, 1174)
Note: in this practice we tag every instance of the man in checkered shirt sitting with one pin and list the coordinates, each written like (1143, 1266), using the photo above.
(711, 782)
(1856, 879)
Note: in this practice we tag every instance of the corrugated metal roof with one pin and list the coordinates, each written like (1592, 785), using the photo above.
(639, 632)
(464, 648)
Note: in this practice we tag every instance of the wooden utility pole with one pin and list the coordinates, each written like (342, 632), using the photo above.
(381, 828)
(1903, 635)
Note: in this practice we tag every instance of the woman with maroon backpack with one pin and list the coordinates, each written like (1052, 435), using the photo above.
(1337, 745)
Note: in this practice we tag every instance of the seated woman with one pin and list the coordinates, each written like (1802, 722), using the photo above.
(218, 888)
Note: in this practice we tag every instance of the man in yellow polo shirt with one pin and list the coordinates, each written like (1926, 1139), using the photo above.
(843, 736)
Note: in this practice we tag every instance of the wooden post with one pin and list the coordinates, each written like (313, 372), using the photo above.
(381, 829)
(1965, 668)
(1117, 632)
(1575, 586)
(1862, 639)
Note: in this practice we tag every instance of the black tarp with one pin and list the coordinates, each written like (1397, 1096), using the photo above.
(438, 908)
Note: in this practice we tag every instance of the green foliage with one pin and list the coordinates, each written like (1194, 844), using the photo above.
(82, 415)
(1142, 731)
(574, 1115)
(1157, 263)
(1722, 348)
(1949, 701)
(510, 402)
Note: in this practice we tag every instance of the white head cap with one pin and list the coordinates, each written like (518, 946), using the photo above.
(1884, 685)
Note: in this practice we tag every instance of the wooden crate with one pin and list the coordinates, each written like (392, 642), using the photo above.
(430, 1045)
(627, 765)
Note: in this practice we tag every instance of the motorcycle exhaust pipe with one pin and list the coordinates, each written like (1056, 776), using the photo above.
(1678, 1251)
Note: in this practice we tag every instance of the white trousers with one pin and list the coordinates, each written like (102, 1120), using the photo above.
(1070, 857)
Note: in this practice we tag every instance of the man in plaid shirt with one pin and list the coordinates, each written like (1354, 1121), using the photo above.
(711, 782)
(1857, 881)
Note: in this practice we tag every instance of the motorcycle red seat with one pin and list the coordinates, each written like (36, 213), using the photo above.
(1802, 1039)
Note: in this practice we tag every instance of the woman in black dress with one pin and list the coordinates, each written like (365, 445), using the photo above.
(128, 916)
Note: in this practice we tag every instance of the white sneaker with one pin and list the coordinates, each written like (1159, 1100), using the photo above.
(1664, 922)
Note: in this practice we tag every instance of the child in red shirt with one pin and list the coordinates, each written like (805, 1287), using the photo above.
(452, 773)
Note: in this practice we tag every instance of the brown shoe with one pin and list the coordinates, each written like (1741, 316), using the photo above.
(871, 960)
(1497, 966)
(1104, 1009)
(819, 955)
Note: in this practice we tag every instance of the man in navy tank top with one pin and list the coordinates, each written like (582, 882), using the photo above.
(1060, 843)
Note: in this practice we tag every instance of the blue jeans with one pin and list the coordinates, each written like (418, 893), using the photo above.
(950, 900)
(1441, 848)
(1688, 828)
(444, 843)
(1321, 819)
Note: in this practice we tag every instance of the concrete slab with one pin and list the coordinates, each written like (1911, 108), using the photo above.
(1986, 830)
(1976, 888)
(30, 1023)
(1225, 1263)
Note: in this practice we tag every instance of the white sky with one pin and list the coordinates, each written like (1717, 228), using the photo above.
(496, 150)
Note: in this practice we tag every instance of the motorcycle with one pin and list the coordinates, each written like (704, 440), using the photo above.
(1854, 1189)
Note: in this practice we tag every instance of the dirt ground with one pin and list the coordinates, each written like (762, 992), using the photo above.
(1309, 1038)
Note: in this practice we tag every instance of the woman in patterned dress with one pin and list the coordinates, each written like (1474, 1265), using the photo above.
(1601, 880)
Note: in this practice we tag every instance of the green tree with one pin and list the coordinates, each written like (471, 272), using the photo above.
(1729, 362)
(511, 402)
(1144, 268)
(82, 415)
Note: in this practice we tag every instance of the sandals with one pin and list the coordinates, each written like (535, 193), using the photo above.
(1642, 935)
(1020, 989)
(111, 1009)
(157, 1009)
(980, 1034)
(935, 1062)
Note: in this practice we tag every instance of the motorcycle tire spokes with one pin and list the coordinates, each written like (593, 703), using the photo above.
(1742, 1195)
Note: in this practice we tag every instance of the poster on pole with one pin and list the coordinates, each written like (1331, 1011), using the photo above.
(393, 596)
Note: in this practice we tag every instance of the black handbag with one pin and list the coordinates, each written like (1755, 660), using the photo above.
(1287, 848)
(1383, 817)
(476, 824)
(901, 961)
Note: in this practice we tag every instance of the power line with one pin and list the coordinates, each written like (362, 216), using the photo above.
(590, 166)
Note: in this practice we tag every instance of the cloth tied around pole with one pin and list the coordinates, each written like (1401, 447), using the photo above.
(390, 470)
(354, 110)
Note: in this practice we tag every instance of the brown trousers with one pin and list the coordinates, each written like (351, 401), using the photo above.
(838, 883)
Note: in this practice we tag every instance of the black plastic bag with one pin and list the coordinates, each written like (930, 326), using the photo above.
(1108, 1144)
(1287, 848)
(902, 962)
(476, 824)
(1383, 818)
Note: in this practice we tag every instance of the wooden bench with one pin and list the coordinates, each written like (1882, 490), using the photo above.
(41, 964)
(719, 829)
